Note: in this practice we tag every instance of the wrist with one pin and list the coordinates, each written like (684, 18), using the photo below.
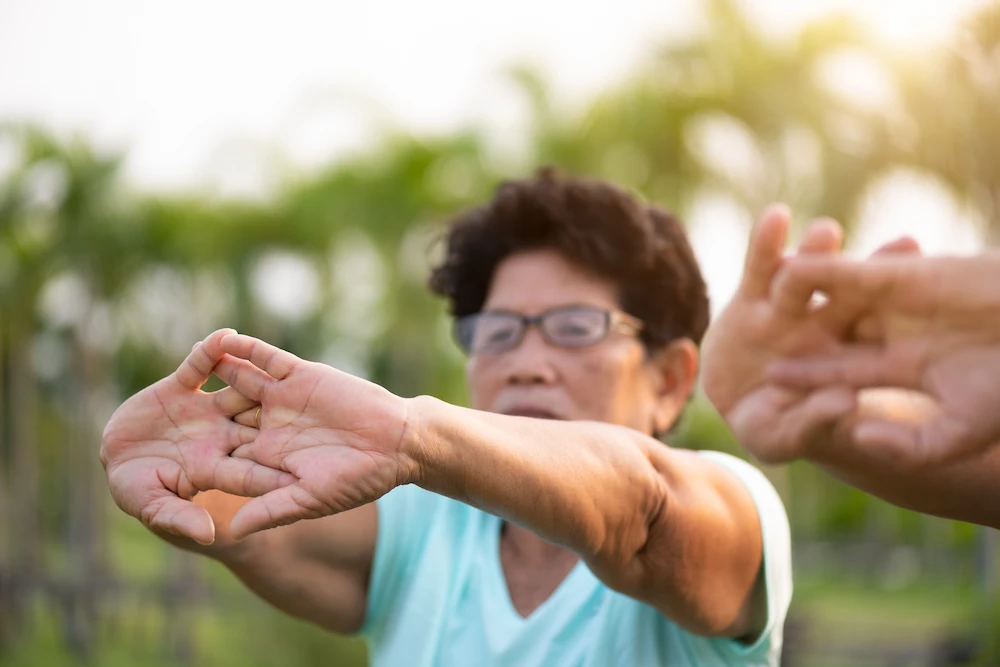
(414, 447)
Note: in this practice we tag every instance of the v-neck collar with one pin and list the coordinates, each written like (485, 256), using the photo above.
(572, 590)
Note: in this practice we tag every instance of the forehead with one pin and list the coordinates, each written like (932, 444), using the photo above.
(535, 280)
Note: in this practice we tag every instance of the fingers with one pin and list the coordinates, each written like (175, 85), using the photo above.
(243, 477)
(244, 378)
(176, 516)
(278, 508)
(259, 452)
(824, 236)
(912, 445)
(818, 411)
(842, 317)
(777, 424)
(273, 360)
(248, 418)
(240, 436)
(856, 366)
(842, 281)
(764, 255)
(231, 402)
(195, 370)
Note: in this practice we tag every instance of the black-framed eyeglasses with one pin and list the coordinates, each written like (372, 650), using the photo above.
(497, 331)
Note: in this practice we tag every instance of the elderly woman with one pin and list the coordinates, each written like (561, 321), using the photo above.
(544, 526)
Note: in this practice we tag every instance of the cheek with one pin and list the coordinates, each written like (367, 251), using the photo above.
(479, 381)
(619, 386)
(609, 383)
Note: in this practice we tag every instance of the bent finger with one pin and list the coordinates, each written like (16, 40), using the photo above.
(243, 377)
(823, 237)
(197, 367)
(272, 360)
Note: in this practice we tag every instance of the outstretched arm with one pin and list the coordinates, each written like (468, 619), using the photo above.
(667, 527)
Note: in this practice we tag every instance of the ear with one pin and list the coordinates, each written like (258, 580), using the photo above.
(674, 370)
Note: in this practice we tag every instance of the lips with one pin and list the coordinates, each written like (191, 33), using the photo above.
(531, 411)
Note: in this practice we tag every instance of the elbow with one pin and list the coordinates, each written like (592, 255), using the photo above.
(620, 555)
(717, 618)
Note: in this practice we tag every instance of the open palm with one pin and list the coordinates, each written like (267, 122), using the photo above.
(338, 434)
(171, 440)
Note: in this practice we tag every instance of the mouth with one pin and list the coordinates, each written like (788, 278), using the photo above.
(531, 411)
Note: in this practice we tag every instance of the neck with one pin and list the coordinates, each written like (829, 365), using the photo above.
(524, 545)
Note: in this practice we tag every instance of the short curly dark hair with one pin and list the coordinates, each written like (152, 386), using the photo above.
(641, 249)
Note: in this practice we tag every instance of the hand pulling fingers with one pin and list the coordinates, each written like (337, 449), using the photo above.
(244, 377)
(273, 360)
(765, 252)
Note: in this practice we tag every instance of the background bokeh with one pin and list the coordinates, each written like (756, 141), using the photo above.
(131, 225)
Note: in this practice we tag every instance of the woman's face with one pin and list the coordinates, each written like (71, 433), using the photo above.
(612, 381)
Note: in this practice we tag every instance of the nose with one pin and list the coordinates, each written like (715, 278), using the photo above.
(530, 363)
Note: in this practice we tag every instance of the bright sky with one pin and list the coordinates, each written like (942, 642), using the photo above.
(193, 87)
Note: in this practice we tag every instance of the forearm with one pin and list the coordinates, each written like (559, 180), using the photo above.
(965, 491)
(300, 584)
(590, 487)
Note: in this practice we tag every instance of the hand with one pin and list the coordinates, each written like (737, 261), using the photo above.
(776, 423)
(750, 332)
(339, 435)
(172, 440)
(923, 324)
